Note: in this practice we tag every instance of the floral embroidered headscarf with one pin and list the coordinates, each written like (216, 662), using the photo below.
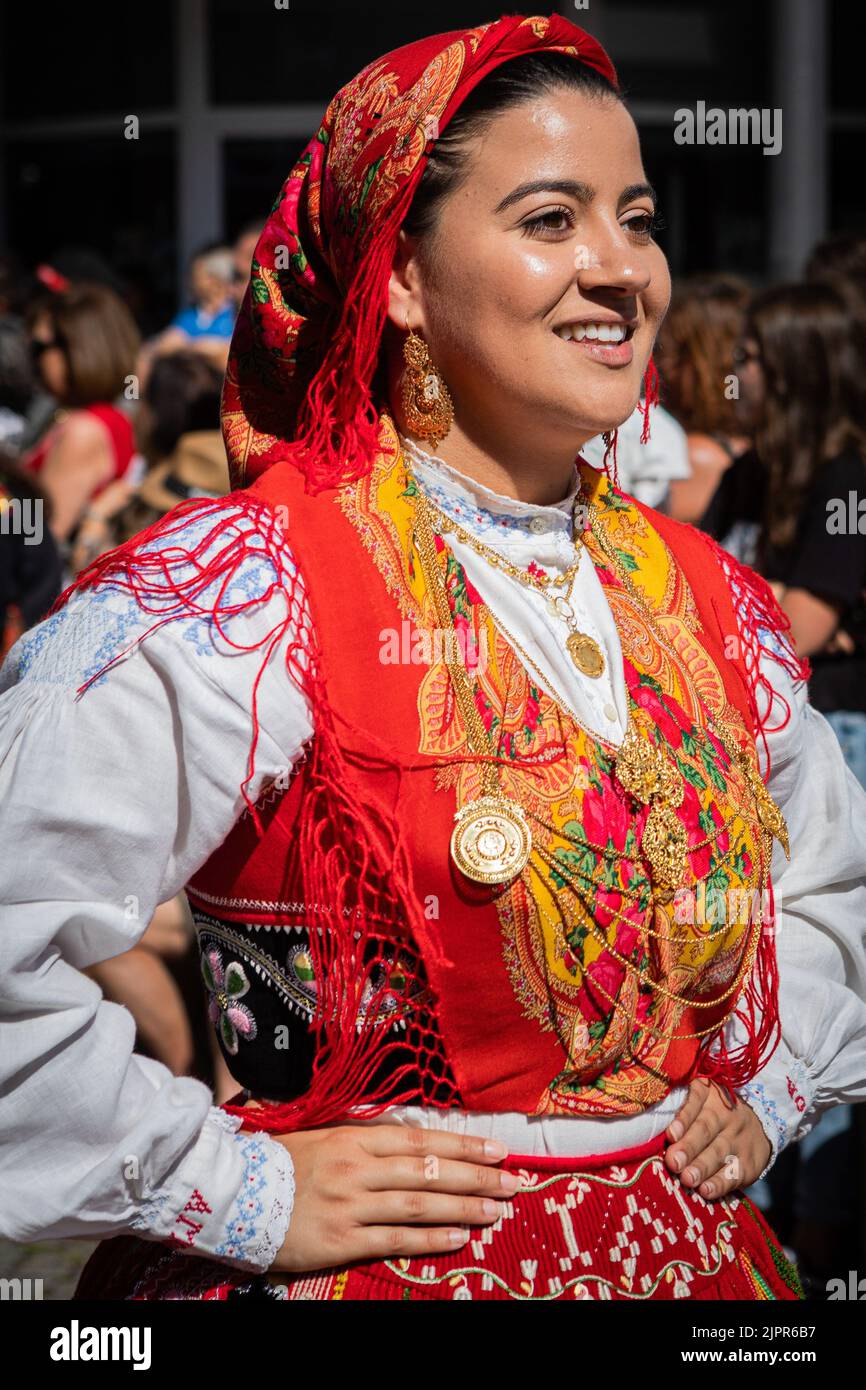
(306, 344)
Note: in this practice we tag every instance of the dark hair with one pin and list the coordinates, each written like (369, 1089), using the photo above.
(695, 349)
(16, 369)
(518, 80)
(842, 253)
(99, 338)
(812, 348)
(183, 393)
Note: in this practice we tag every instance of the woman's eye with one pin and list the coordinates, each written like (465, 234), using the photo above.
(644, 226)
(557, 220)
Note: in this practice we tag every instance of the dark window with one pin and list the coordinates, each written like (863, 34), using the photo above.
(70, 59)
(254, 171)
(682, 52)
(262, 55)
(713, 201)
(847, 207)
(105, 193)
(846, 57)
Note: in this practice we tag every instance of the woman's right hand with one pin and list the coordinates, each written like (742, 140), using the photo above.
(371, 1191)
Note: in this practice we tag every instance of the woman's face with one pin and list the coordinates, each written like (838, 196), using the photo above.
(548, 237)
(50, 359)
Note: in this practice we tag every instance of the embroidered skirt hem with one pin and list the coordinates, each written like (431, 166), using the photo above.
(614, 1226)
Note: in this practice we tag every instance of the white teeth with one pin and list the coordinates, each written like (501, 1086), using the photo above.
(600, 332)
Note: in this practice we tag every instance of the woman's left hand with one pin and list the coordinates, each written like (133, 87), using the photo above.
(716, 1147)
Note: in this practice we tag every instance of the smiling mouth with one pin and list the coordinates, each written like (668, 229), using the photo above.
(601, 332)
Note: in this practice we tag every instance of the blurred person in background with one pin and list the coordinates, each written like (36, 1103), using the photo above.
(16, 284)
(30, 567)
(208, 321)
(16, 382)
(695, 352)
(841, 256)
(84, 344)
(805, 394)
(646, 469)
(178, 431)
(65, 267)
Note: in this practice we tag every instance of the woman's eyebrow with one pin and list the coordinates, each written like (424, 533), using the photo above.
(582, 192)
(638, 190)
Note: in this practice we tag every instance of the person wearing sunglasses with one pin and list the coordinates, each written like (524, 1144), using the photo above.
(83, 344)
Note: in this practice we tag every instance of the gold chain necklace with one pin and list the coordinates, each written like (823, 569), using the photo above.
(645, 978)
(541, 582)
(491, 840)
(636, 764)
(584, 650)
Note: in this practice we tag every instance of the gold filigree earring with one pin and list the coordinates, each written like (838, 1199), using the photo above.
(427, 404)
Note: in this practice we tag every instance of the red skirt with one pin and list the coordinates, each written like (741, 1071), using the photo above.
(613, 1226)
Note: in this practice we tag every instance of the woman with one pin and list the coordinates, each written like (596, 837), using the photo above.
(178, 426)
(796, 494)
(480, 1057)
(84, 342)
(696, 360)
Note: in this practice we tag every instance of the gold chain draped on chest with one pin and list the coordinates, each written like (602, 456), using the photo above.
(637, 914)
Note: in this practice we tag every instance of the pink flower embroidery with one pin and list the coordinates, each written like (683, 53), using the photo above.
(226, 985)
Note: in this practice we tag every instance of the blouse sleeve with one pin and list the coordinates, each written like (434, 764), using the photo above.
(820, 897)
(109, 801)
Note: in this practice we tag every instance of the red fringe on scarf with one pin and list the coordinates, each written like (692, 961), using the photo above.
(337, 430)
(649, 399)
(756, 607)
(344, 844)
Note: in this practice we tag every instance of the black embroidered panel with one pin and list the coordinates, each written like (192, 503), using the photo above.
(261, 996)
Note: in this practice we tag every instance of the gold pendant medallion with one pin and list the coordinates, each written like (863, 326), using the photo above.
(585, 652)
(491, 841)
(664, 844)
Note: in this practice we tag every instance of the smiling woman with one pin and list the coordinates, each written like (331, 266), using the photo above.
(505, 256)
(451, 914)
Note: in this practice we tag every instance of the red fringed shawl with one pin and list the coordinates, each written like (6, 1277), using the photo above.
(358, 843)
(299, 390)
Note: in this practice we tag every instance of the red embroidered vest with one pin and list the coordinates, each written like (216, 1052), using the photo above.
(579, 987)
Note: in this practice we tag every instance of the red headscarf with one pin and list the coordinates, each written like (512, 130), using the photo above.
(306, 344)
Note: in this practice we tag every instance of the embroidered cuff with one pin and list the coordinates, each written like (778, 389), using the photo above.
(755, 1095)
(781, 1099)
(231, 1199)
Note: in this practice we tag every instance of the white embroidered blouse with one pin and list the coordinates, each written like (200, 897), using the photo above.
(109, 803)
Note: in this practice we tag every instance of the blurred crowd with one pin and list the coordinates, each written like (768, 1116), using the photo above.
(760, 440)
(101, 432)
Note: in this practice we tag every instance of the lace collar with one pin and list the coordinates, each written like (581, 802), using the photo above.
(487, 514)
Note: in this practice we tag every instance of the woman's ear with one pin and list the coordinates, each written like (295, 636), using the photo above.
(404, 283)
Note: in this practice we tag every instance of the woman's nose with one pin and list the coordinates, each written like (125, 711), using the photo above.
(616, 269)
